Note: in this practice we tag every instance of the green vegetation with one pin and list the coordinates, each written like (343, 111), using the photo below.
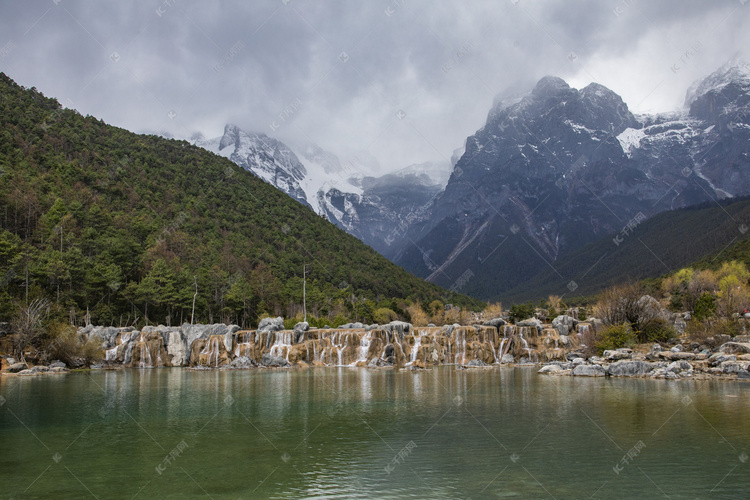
(520, 312)
(615, 337)
(712, 232)
(111, 227)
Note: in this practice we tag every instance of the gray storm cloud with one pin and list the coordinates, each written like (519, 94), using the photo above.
(404, 80)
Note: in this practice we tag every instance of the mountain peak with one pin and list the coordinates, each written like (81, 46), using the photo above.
(550, 86)
(735, 71)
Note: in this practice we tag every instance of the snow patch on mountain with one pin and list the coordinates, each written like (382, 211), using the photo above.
(630, 139)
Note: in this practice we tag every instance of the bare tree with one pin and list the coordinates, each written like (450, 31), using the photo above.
(27, 325)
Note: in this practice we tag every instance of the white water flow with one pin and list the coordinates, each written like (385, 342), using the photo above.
(525, 344)
(501, 351)
(211, 352)
(341, 349)
(145, 354)
(460, 346)
(415, 349)
(281, 345)
(364, 347)
(245, 342)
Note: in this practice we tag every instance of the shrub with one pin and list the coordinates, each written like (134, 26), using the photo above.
(620, 304)
(417, 316)
(26, 326)
(705, 307)
(615, 337)
(520, 312)
(657, 330)
(65, 344)
(384, 315)
(493, 311)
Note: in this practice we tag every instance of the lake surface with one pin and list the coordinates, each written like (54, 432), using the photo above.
(359, 433)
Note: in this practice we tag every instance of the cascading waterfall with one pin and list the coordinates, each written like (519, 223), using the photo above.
(211, 351)
(500, 351)
(281, 345)
(415, 348)
(145, 353)
(364, 348)
(460, 346)
(350, 347)
(342, 348)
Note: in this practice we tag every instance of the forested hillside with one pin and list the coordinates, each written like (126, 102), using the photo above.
(124, 227)
(711, 233)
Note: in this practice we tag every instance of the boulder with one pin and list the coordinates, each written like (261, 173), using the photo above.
(676, 356)
(242, 363)
(378, 363)
(630, 368)
(27, 372)
(743, 374)
(677, 348)
(353, 326)
(507, 358)
(59, 369)
(57, 364)
(496, 322)
(617, 354)
(271, 324)
(550, 369)
(299, 331)
(16, 368)
(656, 348)
(476, 362)
(733, 366)
(400, 328)
(589, 371)
(651, 309)
(107, 335)
(735, 348)
(575, 355)
(531, 323)
(564, 324)
(274, 361)
(719, 358)
(679, 367)
(40, 369)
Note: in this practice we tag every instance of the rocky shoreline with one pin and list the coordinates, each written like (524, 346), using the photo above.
(730, 361)
(557, 346)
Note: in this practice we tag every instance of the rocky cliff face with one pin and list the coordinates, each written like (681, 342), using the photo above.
(560, 167)
(386, 206)
(264, 156)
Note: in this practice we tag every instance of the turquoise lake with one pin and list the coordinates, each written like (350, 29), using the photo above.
(359, 433)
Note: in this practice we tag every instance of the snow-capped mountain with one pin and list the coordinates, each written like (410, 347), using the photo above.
(556, 168)
(377, 210)
(264, 156)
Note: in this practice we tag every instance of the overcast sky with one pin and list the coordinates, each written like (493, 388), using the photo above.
(404, 80)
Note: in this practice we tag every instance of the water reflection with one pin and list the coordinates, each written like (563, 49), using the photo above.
(357, 433)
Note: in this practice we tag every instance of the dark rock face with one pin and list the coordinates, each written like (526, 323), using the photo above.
(382, 213)
(629, 368)
(562, 167)
(274, 361)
